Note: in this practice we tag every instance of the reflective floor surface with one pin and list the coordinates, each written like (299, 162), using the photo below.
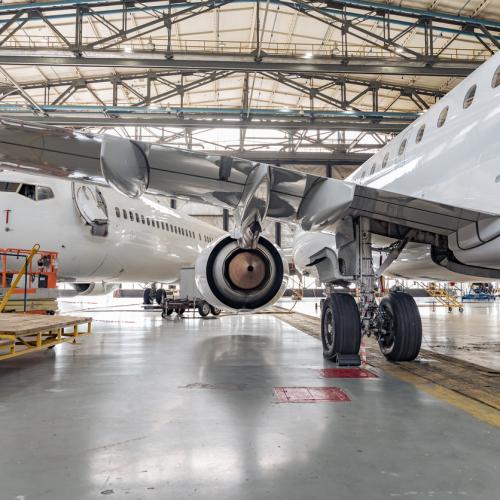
(150, 409)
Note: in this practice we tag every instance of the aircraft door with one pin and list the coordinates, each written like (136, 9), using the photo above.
(91, 207)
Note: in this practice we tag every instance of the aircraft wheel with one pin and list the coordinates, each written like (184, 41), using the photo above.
(203, 308)
(340, 326)
(215, 310)
(166, 312)
(180, 311)
(401, 321)
(160, 295)
(147, 296)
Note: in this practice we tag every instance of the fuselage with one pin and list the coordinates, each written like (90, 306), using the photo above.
(132, 239)
(450, 155)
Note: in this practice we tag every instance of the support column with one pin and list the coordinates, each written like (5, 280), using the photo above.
(225, 219)
(277, 233)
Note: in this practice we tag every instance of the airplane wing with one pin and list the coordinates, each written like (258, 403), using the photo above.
(249, 188)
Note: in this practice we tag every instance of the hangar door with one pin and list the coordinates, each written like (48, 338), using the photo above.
(91, 207)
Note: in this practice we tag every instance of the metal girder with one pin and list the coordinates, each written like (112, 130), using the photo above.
(283, 64)
(161, 76)
(109, 116)
(57, 8)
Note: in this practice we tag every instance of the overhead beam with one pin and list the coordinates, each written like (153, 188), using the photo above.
(108, 116)
(56, 9)
(241, 62)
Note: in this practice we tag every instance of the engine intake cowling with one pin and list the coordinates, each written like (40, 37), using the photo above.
(92, 289)
(241, 279)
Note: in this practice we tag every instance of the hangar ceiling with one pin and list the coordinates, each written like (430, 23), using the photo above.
(294, 82)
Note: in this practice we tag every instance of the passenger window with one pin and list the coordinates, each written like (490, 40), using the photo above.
(363, 175)
(137, 217)
(163, 225)
(175, 229)
(10, 187)
(28, 190)
(148, 221)
(372, 170)
(44, 193)
(124, 213)
(385, 160)
(131, 215)
(142, 219)
(469, 97)
(495, 82)
(402, 147)
(442, 117)
(117, 211)
(420, 134)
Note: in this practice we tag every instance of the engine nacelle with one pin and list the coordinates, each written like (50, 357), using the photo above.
(238, 279)
(94, 288)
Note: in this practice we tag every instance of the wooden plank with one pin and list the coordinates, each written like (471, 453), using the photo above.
(22, 324)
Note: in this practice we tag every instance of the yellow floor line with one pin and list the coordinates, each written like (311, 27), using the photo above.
(474, 408)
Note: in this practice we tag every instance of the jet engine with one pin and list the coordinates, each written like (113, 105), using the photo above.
(94, 288)
(241, 279)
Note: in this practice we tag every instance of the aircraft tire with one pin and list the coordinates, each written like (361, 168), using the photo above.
(160, 294)
(203, 308)
(215, 310)
(147, 296)
(402, 320)
(180, 311)
(340, 326)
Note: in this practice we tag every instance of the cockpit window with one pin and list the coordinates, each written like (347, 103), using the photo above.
(10, 187)
(28, 190)
(44, 193)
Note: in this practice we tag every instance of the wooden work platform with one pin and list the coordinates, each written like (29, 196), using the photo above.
(24, 333)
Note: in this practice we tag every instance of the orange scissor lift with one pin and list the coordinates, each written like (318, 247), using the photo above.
(28, 280)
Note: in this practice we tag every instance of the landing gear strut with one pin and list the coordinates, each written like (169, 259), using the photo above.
(395, 322)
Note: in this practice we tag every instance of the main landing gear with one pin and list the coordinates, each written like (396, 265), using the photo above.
(395, 321)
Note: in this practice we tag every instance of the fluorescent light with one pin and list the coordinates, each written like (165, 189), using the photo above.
(399, 50)
(307, 55)
(127, 49)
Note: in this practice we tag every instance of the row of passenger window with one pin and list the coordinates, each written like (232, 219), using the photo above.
(467, 102)
(164, 226)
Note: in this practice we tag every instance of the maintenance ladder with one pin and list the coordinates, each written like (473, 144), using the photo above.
(441, 295)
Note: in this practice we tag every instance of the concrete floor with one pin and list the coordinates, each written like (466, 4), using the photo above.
(146, 409)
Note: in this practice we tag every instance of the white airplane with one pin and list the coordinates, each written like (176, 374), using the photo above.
(102, 237)
(432, 191)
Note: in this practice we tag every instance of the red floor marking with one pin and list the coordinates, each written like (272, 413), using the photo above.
(310, 394)
(347, 373)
